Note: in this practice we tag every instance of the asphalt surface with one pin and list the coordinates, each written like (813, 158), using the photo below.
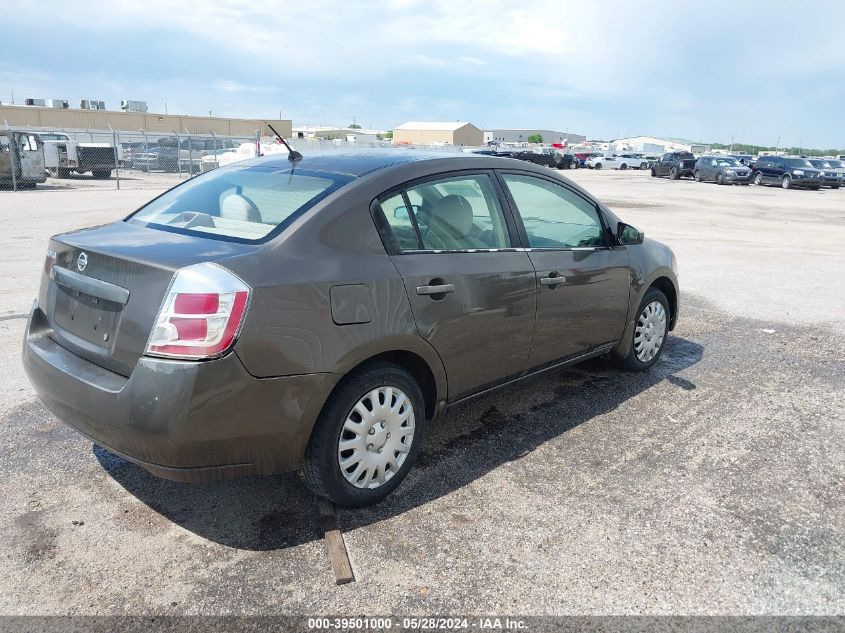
(713, 484)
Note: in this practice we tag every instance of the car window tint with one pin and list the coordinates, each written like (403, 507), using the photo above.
(459, 213)
(554, 217)
(397, 216)
(245, 203)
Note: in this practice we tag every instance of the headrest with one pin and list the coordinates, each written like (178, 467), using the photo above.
(234, 206)
(455, 212)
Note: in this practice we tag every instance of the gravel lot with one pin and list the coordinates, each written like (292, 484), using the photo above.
(712, 485)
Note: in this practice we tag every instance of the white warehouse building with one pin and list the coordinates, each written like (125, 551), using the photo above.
(657, 145)
(521, 136)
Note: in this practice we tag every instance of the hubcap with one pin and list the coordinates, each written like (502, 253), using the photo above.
(650, 331)
(377, 434)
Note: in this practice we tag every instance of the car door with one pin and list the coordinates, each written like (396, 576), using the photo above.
(712, 168)
(662, 166)
(470, 286)
(582, 281)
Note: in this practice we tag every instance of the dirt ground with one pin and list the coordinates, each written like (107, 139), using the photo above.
(713, 484)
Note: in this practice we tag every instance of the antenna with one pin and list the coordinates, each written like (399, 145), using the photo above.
(293, 155)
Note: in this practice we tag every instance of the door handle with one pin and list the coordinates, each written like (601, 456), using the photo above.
(554, 279)
(435, 290)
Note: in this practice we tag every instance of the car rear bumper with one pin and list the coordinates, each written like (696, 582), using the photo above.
(181, 420)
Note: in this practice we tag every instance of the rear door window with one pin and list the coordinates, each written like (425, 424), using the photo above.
(451, 214)
(246, 204)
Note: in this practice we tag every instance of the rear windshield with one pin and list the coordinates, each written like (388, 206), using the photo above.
(244, 204)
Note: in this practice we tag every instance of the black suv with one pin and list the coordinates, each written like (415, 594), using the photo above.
(787, 172)
(674, 165)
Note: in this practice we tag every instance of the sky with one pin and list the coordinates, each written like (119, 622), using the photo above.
(704, 71)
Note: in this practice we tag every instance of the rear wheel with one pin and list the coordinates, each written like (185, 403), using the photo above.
(101, 173)
(650, 331)
(623, 166)
(673, 173)
(573, 164)
(597, 166)
(366, 437)
(834, 186)
(653, 173)
(786, 182)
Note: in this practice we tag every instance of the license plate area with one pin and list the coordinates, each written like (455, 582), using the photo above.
(92, 319)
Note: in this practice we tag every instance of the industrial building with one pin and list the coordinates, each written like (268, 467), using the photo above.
(657, 145)
(350, 135)
(72, 119)
(437, 133)
(521, 136)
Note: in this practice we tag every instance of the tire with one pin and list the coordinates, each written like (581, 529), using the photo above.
(834, 186)
(321, 469)
(720, 179)
(697, 175)
(643, 166)
(757, 179)
(101, 174)
(674, 174)
(597, 166)
(623, 166)
(573, 164)
(642, 353)
(786, 182)
(653, 173)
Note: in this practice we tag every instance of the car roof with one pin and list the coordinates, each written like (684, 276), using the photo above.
(358, 162)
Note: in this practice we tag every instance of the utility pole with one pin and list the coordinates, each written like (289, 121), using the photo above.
(732, 145)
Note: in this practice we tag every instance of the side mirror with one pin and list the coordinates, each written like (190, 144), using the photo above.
(401, 213)
(628, 235)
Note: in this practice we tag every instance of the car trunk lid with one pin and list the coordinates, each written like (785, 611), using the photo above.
(103, 292)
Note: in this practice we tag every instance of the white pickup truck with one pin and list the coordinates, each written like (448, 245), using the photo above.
(63, 156)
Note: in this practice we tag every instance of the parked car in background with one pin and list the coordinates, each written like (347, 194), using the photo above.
(21, 160)
(745, 159)
(638, 161)
(787, 172)
(831, 177)
(583, 157)
(548, 156)
(191, 153)
(675, 165)
(615, 162)
(260, 319)
(157, 158)
(723, 170)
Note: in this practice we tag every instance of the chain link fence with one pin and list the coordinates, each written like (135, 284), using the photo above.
(52, 158)
(76, 158)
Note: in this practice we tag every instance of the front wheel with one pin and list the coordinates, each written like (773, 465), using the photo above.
(673, 174)
(697, 175)
(786, 182)
(758, 179)
(101, 174)
(720, 179)
(366, 437)
(623, 166)
(650, 331)
(643, 166)
(653, 173)
(573, 164)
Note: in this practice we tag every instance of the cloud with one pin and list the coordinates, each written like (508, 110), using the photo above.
(594, 67)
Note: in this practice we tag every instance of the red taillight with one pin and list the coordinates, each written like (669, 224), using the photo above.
(206, 303)
(196, 322)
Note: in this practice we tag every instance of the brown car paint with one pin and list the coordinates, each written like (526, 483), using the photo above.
(327, 295)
